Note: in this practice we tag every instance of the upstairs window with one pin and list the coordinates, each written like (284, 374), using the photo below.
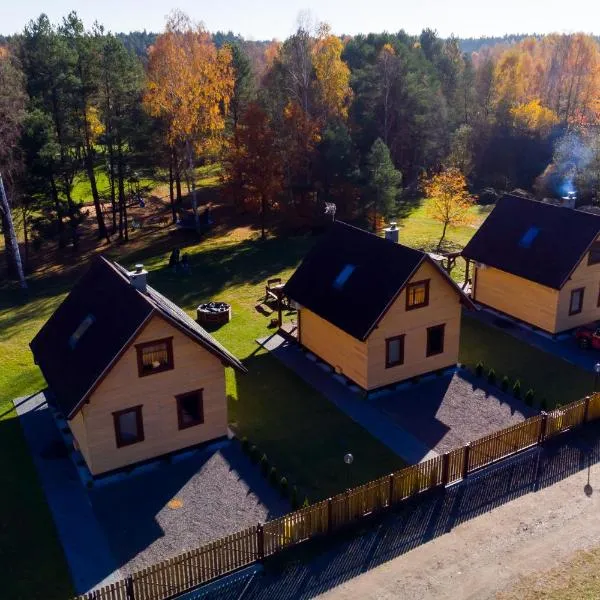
(154, 357)
(576, 302)
(190, 409)
(394, 351)
(417, 294)
(594, 255)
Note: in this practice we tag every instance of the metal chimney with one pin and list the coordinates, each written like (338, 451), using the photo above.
(139, 277)
(391, 232)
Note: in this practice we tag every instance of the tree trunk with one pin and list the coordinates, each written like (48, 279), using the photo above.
(13, 255)
(123, 227)
(178, 184)
(263, 210)
(59, 222)
(89, 166)
(439, 246)
(191, 180)
(171, 190)
(25, 238)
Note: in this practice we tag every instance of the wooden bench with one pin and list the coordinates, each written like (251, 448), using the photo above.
(272, 288)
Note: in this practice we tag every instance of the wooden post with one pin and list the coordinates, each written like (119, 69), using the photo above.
(260, 542)
(329, 516)
(467, 267)
(129, 588)
(465, 466)
(543, 425)
(391, 492)
(586, 410)
(445, 467)
(279, 308)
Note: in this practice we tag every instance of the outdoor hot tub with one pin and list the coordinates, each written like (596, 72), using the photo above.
(213, 313)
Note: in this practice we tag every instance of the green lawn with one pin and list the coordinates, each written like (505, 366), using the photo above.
(550, 377)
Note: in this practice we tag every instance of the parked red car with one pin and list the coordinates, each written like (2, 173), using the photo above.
(588, 336)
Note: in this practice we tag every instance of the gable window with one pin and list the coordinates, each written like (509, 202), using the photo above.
(417, 294)
(594, 255)
(435, 340)
(576, 303)
(154, 357)
(190, 409)
(129, 427)
(394, 351)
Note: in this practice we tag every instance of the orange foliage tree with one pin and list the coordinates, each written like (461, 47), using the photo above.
(254, 165)
(450, 200)
(190, 84)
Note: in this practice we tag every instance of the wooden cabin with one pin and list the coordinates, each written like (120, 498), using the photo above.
(133, 374)
(538, 263)
(378, 312)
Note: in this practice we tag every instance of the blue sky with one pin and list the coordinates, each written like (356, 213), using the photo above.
(267, 19)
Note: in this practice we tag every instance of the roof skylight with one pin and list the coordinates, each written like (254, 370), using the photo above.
(81, 329)
(528, 237)
(343, 276)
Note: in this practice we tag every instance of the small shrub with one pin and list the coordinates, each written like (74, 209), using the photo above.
(529, 395)
(306, 503)
(264, 465)
(517, 389)
(254, 454)
(273, 476)
(491, 376)
(283, 487)
(505, 383)
(245, 445)
(294, 499)
(479, 369)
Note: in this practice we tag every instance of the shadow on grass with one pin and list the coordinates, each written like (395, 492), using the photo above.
(318, 566)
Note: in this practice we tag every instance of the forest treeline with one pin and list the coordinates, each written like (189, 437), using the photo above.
(357, 122)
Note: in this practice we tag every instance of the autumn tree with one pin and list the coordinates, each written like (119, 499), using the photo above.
(332, 75)
(383, 182)
(254, 163)
(450, 200)
(190, 85)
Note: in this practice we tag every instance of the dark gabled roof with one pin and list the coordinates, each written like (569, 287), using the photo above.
(534, 240)
(113, 312)
(351, 277)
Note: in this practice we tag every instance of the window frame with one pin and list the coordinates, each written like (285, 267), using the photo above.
(140, 356)
(178, 398)
(580, 309)
(413, 284)
(594, 248)
(388, 363)
(428, 351)
(121, 443)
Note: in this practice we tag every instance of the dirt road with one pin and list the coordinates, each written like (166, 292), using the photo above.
(489, 553)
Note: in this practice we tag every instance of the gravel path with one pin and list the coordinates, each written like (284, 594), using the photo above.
(447, 412)
(220, 493)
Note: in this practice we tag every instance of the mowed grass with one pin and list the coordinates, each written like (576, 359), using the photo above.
(552, 378)
(578, 579)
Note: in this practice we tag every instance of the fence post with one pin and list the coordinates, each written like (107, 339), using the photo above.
(260, 541)
(445, 467)
(129, 588)
(586, 410)
(465, 465)
(543, 425)
(391, 491)
(329, 515)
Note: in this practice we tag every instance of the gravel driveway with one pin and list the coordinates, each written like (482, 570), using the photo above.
(449, 411)
(220, 493)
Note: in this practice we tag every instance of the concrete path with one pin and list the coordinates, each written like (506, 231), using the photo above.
(565, 347)
(376, 423)
(86, 549)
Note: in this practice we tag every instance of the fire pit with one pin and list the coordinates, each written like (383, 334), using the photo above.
(214, 313)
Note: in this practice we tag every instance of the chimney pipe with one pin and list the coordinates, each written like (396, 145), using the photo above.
(391, 232)
(138, 278)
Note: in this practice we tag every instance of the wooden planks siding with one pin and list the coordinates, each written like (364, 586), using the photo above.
(443, 308)
(343, 352)
(587, 277)
(523, 299)
(194, 368)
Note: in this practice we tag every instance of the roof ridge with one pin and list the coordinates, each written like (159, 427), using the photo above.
(378, 237)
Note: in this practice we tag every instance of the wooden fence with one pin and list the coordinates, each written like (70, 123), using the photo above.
(170, 578)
